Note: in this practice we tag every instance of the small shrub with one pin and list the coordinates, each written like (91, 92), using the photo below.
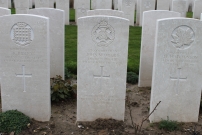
(60, 89)
(132, 77)
(168, 125)
(13, 121)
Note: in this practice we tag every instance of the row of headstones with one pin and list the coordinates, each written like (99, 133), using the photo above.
(25, 57)
(32, 51)
(161, 4)
(28, 44)
(22, 6)
(11, 3)
(127, 6)
(180, 6)
(171, 47)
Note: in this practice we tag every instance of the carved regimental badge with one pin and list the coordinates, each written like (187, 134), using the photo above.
(22, 34)
(103, 33)
(82, 9)
(147, 4)
(182, 37)
(128, 2)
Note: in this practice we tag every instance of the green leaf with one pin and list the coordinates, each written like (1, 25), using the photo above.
(62, 96)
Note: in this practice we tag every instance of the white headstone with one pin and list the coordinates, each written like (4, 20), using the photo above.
(177, 70)
(56, 19)
(201, 17)
(120, 5)
(4, 11)
(81, 8)
(146, 5)
(180, 6)
(128, 7)
(4, 3)
(25, 65)
(115, 3)
(102, 67)
(197, 9)
(137, 12)
(75, 1)
(21, 6)
(41, 3)
(163, 4)
(192, 4)
(188, 4)
(148, 43)
(9, 4)
(171, 1)
(135, 4)
(108, 12)
(93, 4)
(30, 3)
(103, 4)
(51, 3)
(64, 5)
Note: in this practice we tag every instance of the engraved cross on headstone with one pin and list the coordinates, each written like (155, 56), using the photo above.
(101, 76)
(23, 75)
(178, 78)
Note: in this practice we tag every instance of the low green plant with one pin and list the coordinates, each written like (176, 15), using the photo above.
(67, 74)
(72, 67)
(13, 121)
(60, 89)
(168, 125)
(132, 77)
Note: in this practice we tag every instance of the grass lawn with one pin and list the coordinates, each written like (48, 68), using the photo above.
(71, 45)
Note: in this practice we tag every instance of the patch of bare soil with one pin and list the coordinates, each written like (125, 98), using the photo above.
(105, 126)
(63, 120)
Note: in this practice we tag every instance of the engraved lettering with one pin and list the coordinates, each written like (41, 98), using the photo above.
(187, 59)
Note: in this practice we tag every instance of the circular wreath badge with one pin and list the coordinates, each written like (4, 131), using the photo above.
(103, 34)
